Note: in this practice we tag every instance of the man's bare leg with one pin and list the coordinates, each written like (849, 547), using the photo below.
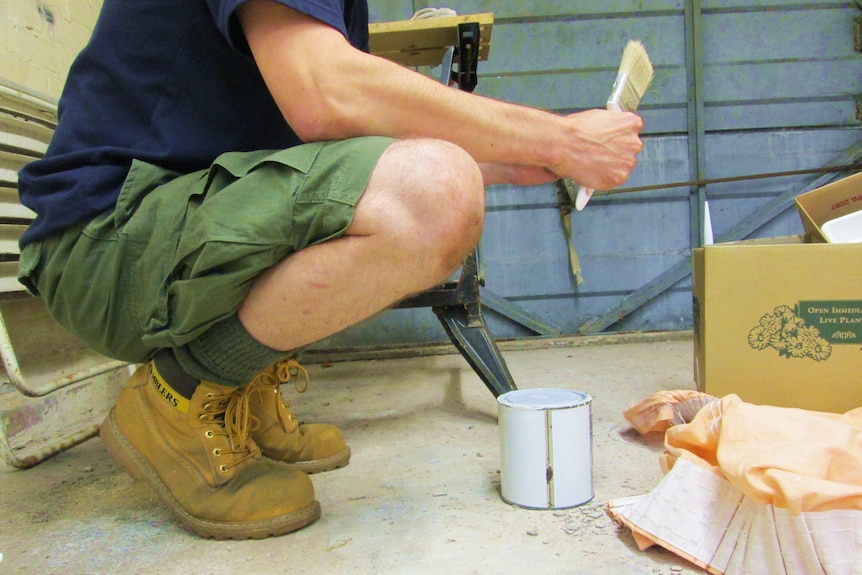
(421, 214)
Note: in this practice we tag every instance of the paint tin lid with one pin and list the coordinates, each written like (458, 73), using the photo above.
(544, 398)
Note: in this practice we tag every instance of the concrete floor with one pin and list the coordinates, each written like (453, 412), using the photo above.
(421, 494)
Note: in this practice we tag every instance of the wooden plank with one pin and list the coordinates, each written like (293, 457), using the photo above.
(423, 42)
(574, 91)
(580, 89)
(391, 10)
(19, 101)
(534, 261)
(11, 208)
(752, 80)
(583, 45)
(9, 235)
(795, 36)
(759, 82)
(712, 6)
(8, 175)
(739, 153)
(544, 9)
(10, 163)
(781, 114)
(36, 135)
(670, 310)
(16, 143)
(9, 278)
(27, 121)
(559, 45)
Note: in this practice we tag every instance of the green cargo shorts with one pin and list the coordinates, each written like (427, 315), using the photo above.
(179, 253)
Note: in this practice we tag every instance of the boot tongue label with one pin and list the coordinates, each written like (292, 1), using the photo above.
(167, 392)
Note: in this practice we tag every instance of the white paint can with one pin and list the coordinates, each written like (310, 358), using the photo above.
(546, 448)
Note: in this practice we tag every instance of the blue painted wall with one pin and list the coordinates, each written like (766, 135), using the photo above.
(779, 82)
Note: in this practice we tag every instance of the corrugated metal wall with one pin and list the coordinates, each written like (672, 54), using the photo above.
(743, 87)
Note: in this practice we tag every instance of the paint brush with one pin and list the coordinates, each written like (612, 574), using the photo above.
(633, 79)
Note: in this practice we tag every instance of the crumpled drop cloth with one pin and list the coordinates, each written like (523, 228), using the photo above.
(663, 409)
(757, 489)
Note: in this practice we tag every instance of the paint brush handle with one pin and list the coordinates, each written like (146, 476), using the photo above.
(584, 193)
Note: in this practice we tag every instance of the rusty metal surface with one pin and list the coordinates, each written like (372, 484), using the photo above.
(34, 429)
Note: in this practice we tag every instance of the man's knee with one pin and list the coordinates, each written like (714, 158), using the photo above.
(450, 200)
(426, 198)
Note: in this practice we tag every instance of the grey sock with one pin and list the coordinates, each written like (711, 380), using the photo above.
(226, 354)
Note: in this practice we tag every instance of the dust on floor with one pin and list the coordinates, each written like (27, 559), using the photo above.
(421, 494)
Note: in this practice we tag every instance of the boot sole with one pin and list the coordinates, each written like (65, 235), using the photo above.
(337, 461)
(137, 466)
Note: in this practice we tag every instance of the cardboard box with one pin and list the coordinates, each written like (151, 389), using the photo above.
(837, 199)
(779, 321)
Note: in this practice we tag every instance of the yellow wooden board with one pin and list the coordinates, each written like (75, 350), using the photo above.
(423, 42)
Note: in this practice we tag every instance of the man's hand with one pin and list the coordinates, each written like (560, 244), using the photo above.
(601, 155)
(603, 151)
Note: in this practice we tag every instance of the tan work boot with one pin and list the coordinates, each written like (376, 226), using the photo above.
(310, 447)
(197, 456)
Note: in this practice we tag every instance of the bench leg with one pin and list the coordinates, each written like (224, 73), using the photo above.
(467, 330)
(44, 452)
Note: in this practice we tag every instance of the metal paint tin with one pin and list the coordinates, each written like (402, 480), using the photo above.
(546, 448)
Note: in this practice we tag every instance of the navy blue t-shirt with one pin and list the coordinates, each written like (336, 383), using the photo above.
(169, 82)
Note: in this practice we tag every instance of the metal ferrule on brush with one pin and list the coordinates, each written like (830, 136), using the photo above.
(623, 96)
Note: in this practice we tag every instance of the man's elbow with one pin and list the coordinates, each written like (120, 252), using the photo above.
(323, 123)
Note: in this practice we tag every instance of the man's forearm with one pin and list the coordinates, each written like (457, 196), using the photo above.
(328, 90)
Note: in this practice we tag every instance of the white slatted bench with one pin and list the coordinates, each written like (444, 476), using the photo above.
(54, 391)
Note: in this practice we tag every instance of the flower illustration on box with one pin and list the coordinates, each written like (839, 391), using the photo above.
(787, 333)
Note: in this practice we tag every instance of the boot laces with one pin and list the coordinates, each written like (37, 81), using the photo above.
(290, 369)
(230, 412)
(271, 380)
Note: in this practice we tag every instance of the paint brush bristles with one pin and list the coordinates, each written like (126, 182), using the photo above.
(633, 79)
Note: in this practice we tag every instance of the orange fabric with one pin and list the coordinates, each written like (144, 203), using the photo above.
(790, 458)
(665, 408)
